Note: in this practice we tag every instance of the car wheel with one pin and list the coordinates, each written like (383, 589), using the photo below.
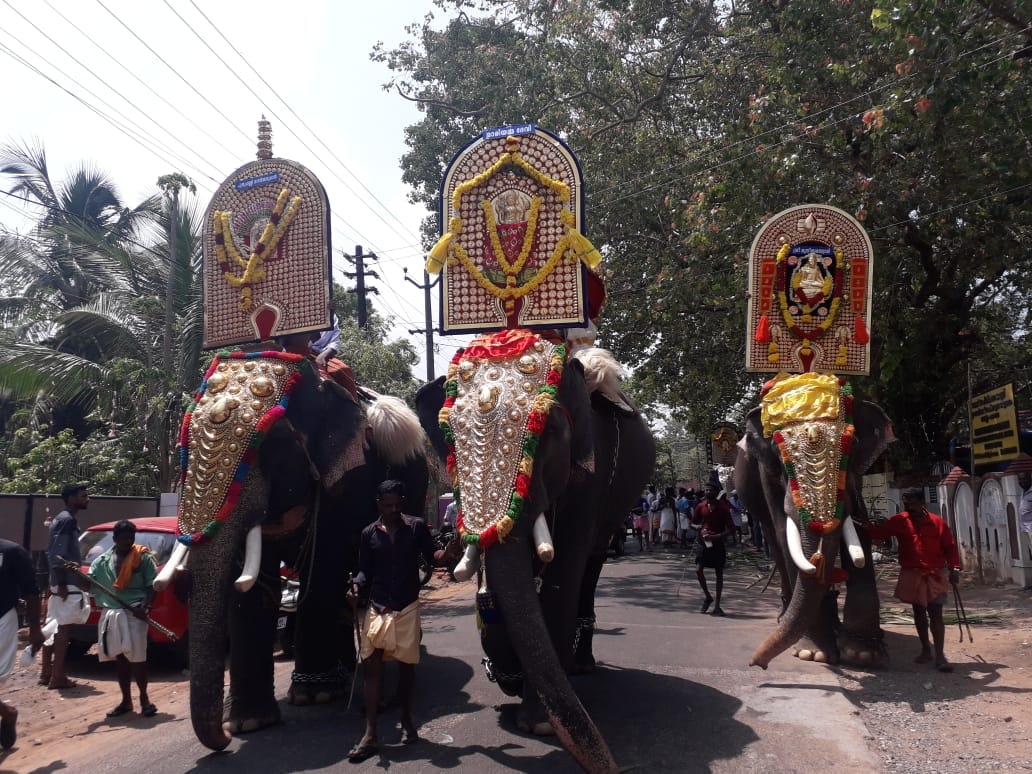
(78, 648)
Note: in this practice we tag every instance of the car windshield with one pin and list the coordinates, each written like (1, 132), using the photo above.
(94, 542)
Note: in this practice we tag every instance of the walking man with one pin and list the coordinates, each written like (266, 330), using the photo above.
(926, 550)
(17, 581)
(128, 570)
(712, 520)
(67, 604)
(388, 570)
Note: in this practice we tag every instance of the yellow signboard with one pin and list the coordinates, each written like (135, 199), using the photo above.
(994, 426)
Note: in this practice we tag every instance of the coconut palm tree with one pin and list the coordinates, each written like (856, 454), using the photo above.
(84, 299)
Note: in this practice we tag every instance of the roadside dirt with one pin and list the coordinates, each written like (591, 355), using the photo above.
(973, 720)
(74, 721)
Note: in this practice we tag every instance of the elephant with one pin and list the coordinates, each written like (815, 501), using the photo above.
(536, 598)
(808, 585)
(301, 495)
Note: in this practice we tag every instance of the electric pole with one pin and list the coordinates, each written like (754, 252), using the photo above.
(359, 275)
(429, 320)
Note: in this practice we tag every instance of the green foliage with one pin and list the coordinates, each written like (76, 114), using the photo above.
(694, 125)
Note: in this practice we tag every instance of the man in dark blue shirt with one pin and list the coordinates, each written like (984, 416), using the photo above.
(388, 568)
(66, 605)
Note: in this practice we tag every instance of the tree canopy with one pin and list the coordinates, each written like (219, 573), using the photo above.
(695, 122)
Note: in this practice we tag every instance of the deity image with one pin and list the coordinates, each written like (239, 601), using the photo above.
(811, 273)
(511, 207)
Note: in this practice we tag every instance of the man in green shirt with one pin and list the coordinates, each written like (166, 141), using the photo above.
(129, 570)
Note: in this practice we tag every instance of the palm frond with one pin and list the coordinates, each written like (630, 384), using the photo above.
(28, 370)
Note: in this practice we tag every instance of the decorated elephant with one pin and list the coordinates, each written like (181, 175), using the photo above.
(582, 455)
(279, 466)
(799, 472)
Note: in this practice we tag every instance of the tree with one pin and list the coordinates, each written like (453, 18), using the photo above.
(694, 122)
(86, 305)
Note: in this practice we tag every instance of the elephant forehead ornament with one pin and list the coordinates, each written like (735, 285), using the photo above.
(241, 397)
(498, 395)
(810, 418)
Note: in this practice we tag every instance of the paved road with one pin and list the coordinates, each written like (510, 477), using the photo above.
(672, 694)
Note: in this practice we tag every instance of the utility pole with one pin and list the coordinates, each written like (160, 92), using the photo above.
(429, 321)
(359, 275)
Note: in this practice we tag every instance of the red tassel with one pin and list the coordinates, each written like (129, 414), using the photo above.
(860, 334)
(762, 330)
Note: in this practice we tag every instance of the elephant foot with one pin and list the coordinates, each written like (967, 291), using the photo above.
(807, 650)
(237, 719)
(305, 694)
(864, 652)
(540, 728)
(532, 719)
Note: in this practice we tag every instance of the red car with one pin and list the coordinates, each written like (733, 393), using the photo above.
(158, 533)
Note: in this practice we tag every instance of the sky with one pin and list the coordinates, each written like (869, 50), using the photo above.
(147, 65)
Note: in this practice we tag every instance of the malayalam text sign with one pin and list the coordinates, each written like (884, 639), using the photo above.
(994, 426)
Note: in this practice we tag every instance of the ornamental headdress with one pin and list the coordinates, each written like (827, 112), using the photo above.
(512, 253)
(810, 274)
(266, 266)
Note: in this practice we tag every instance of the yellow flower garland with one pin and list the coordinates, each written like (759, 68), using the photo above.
(254, 265)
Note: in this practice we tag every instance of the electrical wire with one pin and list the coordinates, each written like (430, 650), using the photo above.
(298, 117)
(287, 126)
(132, 136)
(143, 83)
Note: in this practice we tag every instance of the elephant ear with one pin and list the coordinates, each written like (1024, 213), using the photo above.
(335, 432)
(757, 445)
(873, 434)
(575, 398)
(429, 400)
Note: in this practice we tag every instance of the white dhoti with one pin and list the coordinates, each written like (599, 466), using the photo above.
(395, 633)
(8, 642)
(74, 609)
(120, 633)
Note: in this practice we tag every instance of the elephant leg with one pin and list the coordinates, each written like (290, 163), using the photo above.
(251, 703)
(819, 643)
(583, 656)
(860, 638)
(324, 644)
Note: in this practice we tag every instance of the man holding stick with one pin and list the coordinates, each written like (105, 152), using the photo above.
(926, 550)
(129, 570)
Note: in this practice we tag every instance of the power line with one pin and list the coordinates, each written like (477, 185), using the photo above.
(104, 102)
(294, 113)
(143, 83)
(174, 70)
(21, 60)
(285, 124)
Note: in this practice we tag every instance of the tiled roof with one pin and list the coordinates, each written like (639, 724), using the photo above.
(1023, 464)
(954, 476)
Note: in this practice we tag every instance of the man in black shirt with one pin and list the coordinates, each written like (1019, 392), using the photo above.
(388, 569)
(67, 603)
(17, 580)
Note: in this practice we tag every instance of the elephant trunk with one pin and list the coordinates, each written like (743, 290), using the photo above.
(806, 600)
(211, 578)
(510, 577)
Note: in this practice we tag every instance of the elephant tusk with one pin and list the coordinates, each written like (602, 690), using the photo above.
(795, 548)
(543, 539)
(178, 557)
(252, 560)
(468, 564)
(856, 551)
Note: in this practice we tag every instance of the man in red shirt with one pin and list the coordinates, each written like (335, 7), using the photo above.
(926, 550)
(712, 519)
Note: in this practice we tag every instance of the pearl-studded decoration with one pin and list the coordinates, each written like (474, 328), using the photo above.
(489, 421)
(221, 429)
